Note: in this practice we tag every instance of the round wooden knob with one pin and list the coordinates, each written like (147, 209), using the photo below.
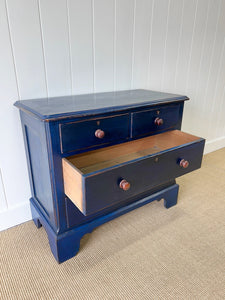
(99, 133)
(124, 185)
(184, 163)
(158, 121)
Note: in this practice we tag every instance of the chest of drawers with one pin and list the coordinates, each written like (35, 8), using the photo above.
(92, 158)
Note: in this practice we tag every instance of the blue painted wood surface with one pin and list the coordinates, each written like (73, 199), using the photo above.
(66, 245)
(143, 122)
(49, 136)
(72, 106)
(69, 134)
(81, 134)
(40, 175)
(76, 218)
(142, 173)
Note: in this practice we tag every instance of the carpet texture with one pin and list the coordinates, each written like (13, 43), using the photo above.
(149, 253)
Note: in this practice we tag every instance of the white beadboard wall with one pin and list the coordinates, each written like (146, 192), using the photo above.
(62, 47)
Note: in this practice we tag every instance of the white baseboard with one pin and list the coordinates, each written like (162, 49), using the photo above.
(214, 145)
(15, 215)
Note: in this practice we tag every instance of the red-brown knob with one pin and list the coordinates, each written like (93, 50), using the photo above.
(124, 185)
(158, 121)
(184, 163)
(99, 133)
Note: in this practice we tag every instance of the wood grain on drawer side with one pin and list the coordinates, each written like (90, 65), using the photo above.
(73, 183)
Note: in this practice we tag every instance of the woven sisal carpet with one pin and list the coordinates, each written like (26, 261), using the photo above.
(149, 253)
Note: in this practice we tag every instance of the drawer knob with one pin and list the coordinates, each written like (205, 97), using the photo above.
(124, 185)
(158, 121)
(184, 163)
(99, 133)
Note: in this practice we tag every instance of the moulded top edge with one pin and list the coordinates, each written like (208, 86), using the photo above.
(91, 104)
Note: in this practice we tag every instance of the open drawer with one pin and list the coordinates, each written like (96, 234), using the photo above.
(101, 178)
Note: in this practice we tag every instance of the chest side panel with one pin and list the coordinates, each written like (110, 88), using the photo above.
(38, 165)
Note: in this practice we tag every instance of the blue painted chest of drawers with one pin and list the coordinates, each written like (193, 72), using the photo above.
(94, 157)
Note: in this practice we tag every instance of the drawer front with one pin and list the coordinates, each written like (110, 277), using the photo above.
(82, 134)
(155, 120)
(102, 190)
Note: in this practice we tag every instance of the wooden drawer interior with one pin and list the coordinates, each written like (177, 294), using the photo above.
(97, 160)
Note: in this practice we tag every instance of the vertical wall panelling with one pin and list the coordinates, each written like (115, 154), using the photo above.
(54, 27)
(222, 132)
(12, 155)
(204, 68)
(197, 44)
(124, 18)
(27, 46)
(133, 43)
(216, 81)
(150, 43)
(142, 30)
(193, 108)
(185, 45)
(172, 44)
(3, 202)
(159, 29)
(81, 43)
(219, 111)
(104, 44)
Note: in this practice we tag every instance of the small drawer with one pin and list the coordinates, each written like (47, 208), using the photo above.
(155, 120)
(93, 132)
(101, 178)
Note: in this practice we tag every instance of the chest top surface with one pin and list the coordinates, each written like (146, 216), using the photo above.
(78, 105)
